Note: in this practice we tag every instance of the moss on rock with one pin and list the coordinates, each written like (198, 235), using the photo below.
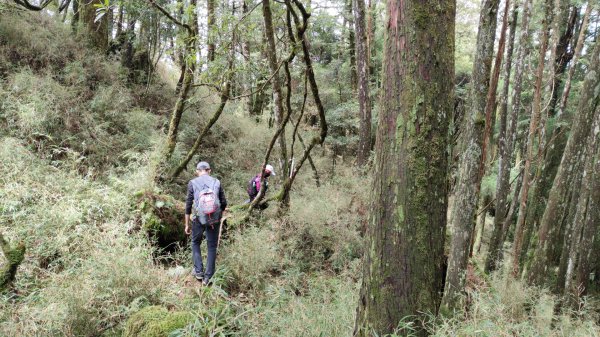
(161, 216)
(156, 321)
(14, 257)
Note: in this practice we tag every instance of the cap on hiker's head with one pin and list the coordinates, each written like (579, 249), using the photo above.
(202, 166)
(270, 169)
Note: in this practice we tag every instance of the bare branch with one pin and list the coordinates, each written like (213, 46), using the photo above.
(168, 15)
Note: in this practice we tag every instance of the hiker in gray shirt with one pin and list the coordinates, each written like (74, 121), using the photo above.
(204, 205)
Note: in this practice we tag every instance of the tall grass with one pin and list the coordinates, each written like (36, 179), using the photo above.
(503, 306)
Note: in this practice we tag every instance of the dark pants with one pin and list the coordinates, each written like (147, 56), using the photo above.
(212, 234)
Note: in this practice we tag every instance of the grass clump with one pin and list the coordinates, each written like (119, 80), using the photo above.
(251, 258)
(156, 321)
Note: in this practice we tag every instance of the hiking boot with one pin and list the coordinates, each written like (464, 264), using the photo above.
(206, 282)
(198, 276)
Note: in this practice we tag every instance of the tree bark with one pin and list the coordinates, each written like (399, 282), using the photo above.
(468, 182)
(210, 27)
(276, 82)
(557, 141)
(592, 220)
(572, 234)
(533, 128)
(75, 19)
(588, 102)
(506, 138)
(364, 101)
(550, 148)
(490, 105)
(351, 45)
(97, 30)
(404, 255)
(120, 20)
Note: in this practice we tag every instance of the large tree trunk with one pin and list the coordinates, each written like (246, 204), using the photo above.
(364, 101)
(466, 192)
(588, 103)
(277, 93)
(506, 138)
(97, 29)
(533, 127)
(404, 257)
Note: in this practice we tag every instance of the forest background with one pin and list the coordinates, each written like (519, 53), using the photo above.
(106, 106)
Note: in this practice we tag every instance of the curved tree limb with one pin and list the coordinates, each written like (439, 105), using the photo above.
(31, 6)
(168, 15)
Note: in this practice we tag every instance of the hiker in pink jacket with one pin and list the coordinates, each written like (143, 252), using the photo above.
(255, 184)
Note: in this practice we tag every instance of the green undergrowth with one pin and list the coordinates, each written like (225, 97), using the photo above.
(76, 151)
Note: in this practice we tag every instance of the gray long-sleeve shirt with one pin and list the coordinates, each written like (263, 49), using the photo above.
(203, 180)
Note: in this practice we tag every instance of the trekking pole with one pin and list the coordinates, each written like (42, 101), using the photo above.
(223, 218)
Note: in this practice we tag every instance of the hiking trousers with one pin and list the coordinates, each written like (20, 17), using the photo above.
(212, 235)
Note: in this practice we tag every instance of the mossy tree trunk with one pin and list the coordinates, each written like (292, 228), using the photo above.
(523, 226)
(210, 27)
(592, 220)
(351, 43)
(466, 193)
(404, 257)
(506, 138)
(585, 207)
(588, 106)
(565, 220)
(97, 30)
(364, 101)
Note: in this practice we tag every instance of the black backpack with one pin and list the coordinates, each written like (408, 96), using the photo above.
(251, 188)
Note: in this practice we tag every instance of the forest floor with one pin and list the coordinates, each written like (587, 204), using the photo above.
(76, 148)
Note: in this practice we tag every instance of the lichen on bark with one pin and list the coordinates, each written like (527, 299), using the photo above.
(404, 259)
